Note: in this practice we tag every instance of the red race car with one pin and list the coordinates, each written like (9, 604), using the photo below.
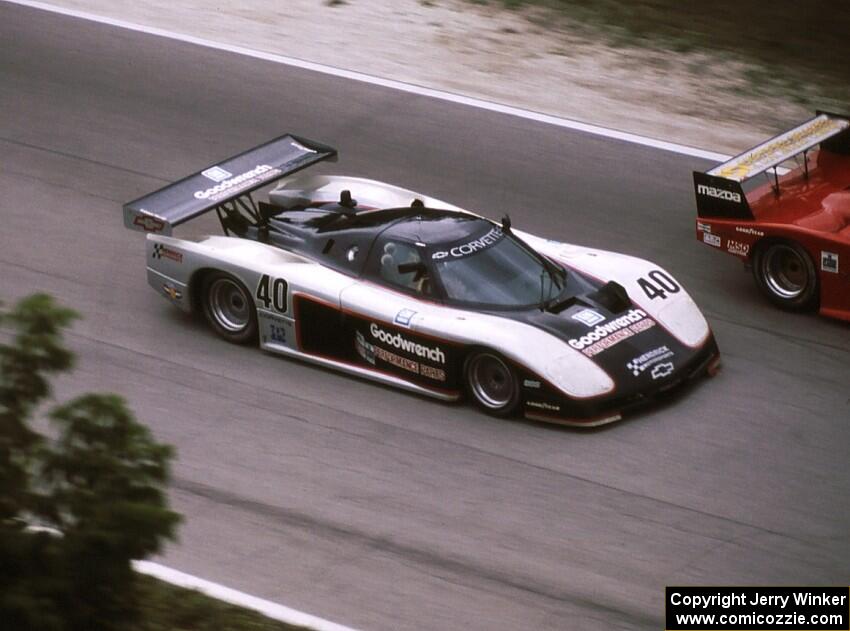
(794, 228)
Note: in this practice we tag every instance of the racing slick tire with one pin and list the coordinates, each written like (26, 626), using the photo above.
(228, 308)
(492, 383)
(786, 274)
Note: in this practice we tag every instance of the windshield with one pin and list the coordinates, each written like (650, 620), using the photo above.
(498, 271)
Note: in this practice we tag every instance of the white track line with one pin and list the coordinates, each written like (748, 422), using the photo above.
(388, 83)
(265, 607)
(232, 596)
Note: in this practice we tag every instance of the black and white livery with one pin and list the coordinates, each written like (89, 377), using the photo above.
(410, 291)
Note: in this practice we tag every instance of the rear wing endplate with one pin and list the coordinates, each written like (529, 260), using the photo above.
(222, 182)
(719, 197)
(719, 192)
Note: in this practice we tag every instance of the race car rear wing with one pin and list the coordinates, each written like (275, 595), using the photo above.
(719, 190)
(223, 182)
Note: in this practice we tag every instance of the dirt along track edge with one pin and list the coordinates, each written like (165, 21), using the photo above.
(442, 95)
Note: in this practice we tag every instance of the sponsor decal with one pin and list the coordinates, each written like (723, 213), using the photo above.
(149, 223)
(604, 336)
(433, 353)
(276, 328)
(161, 251)
(650, 358)
(404, 363)
(705, 227)
(278, 333)
(737, 248)
(748, 230)
(588, 317)
(172, 292)
(719, 193)
(404, 316)
(364, 348)
(531, 383)
(301, 147)
(216, 174)
(829, 262)
(225, 188)
(371, 353)
(711, 239)
(660, 371)
(272, 316)
(433, 373)
(544, 406)
(471, 247)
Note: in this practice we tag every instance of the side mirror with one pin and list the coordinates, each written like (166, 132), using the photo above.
(613, 296)
(345, 199)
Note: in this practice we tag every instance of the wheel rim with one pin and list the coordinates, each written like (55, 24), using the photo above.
(491, 381)
(229, 305)
(784, 271)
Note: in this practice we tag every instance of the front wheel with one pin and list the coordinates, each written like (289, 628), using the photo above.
(228, 308)
(784, 271)
(492, 383)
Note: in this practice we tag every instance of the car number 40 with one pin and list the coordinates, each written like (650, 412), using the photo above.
(271, 292)
(657, 284)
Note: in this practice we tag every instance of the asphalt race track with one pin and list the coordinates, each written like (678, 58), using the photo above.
(375, 508)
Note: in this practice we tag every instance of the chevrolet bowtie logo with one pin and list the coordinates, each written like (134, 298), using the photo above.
(148, 223)
(662, 370)
(172, 292)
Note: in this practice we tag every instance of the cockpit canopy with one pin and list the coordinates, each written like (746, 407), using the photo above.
(441, 255)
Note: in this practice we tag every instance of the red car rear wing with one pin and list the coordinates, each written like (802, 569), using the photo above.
(719, 192)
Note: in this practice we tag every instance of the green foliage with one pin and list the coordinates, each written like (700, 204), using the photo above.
(98, 483)
(171, 608)
(107, 474)
(35, 352)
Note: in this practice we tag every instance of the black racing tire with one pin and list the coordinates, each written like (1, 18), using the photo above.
(492, 383)
(229, 308)
(786, 274)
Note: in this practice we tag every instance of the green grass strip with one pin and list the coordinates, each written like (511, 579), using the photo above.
(166, 607)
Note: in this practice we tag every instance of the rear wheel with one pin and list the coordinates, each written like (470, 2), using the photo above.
(228, 308)
(492, 383)
(784, 271)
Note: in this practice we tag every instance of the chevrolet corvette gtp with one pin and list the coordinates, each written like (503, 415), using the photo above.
(404, 289)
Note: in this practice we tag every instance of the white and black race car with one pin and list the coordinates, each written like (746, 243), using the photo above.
(410, 291)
